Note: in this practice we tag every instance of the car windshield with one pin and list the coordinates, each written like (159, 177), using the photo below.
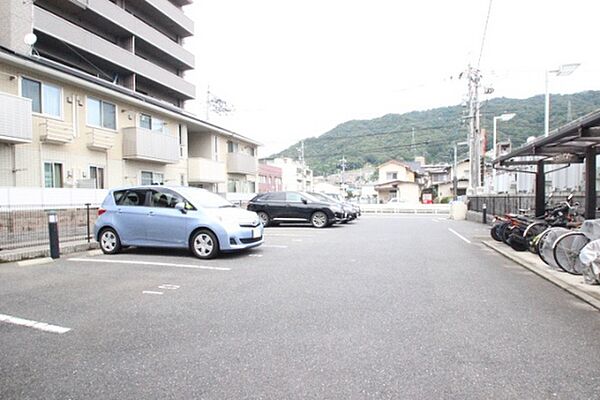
(203, 198)
(311, 197)
(324, 197)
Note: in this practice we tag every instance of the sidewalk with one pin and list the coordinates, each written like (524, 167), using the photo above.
(25, 253)
(571, 283)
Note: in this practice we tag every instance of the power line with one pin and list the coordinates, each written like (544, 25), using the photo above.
(487, 20)
(378, 149)
(423, 129)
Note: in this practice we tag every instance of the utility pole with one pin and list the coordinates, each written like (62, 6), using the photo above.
(414, 148)
(474, 77)
(343, 165)
(303, 165)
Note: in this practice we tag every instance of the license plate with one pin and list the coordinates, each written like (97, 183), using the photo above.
(256, 233)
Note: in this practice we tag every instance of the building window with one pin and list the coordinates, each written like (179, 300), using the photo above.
(101, 114)
(233, 186)
(152, 123)
(45, 98)
(53, 177)
(216, 148)
(152, 178)
(181, 146)
(391, 176)
(145, 121)
(97, 175)
(232, 147)
(251, 187)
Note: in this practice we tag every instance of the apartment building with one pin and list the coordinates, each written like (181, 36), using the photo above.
(92, 95)
(295, 175)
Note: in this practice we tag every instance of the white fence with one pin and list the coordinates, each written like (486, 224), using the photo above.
(405, 208)
(49, 197)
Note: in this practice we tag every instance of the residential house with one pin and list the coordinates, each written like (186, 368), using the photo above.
(397, 180)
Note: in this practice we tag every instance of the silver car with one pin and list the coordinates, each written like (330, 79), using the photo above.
(175, 217)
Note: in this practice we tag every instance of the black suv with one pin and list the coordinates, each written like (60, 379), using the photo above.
(275, 207)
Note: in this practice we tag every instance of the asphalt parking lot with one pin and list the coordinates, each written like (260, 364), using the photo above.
(384, 307)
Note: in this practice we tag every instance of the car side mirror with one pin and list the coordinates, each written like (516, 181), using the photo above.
(181, 207)
(304, 201)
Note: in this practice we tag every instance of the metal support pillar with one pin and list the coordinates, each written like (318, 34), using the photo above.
(590, 183)
(540, 190)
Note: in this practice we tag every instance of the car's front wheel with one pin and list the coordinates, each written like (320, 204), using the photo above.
(204, 244)
(109, 241)
(264, 218)
(319, 219)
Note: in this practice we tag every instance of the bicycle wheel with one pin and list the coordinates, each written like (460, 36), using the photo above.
(531, 234)
(539, 242)
(566, 251)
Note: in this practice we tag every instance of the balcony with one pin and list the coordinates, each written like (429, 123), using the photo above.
(56, 132)
(183, 25)
(146, 145)
(205, 170)
(168, 48)
(16, 124)
(99, 139)
(61, 29)
(240, 163)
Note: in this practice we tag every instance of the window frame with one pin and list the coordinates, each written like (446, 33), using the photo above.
(153, 173)
(53, 166)
(103, 183)
(61, 116)
(102, 102)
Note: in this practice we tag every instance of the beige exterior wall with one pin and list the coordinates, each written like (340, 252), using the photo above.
(403, 173)
(65, 140)
(409, 193)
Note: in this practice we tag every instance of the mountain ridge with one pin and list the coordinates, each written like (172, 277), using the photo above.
(374, 141)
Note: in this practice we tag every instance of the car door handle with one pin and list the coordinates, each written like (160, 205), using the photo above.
(150, 213)
(118, 211)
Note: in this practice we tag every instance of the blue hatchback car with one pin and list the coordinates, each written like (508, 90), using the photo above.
(176, 217)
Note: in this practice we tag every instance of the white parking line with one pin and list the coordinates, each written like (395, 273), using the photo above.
(459, 235)
(275, 246)
(149, 263)
(168, 286)
(41, 326)
(255, 255)
(151, 292)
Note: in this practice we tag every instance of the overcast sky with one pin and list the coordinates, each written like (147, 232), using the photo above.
(296, 69)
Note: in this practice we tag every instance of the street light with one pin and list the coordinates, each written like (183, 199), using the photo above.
(563, 70)
(503, 117)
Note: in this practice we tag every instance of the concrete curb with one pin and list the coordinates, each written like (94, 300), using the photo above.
(37, 252)
(545, 273)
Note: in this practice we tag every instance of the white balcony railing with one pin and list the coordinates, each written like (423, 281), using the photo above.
(240, 163)
(146, 145)
(16, 124)
(205, 170)
(56, 132)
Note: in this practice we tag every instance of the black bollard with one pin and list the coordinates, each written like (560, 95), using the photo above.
(484, 212)
(53, 234)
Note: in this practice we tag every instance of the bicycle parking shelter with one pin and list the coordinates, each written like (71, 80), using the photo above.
(574, 143)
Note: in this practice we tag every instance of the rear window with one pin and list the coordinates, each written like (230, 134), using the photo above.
(276, 197)
(130, 197)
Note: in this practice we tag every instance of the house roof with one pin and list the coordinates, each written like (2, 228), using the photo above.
(391, 184)
(396, 162)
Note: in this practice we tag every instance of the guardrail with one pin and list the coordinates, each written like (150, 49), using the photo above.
(405, 208)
